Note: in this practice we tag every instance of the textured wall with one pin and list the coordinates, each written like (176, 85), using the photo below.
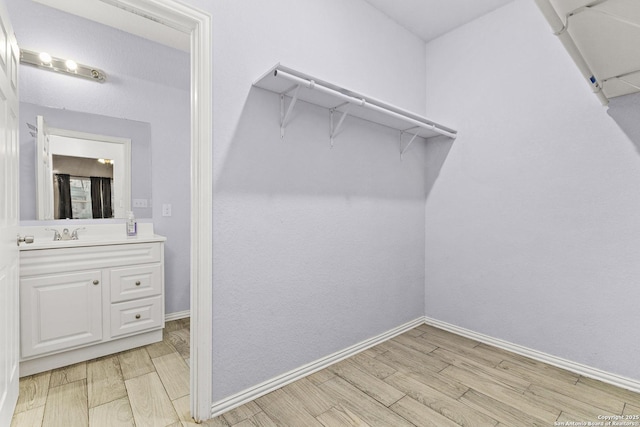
(146, 82)
(314, 249)
(532, 231)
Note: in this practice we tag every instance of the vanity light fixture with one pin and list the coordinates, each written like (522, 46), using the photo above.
(71, 65)
(105, 161)
(45, 58)
(65, 66)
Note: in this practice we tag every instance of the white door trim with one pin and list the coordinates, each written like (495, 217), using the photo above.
(198, 24)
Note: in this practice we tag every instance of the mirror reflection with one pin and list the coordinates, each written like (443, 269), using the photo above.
(106, 173)
(82, 187)
(83, 166)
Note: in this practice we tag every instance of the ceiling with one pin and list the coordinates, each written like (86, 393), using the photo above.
(429, 19)
(605, 32)
(100, 11)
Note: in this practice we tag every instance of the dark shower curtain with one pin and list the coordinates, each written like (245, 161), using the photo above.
(96, 196)
(107, 211)
(64, 188)
(101, 197)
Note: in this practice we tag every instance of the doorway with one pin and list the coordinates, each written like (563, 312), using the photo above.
(197, 25)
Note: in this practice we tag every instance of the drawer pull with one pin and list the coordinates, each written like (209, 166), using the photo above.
(137, 316)
(96, 282)
(137, 282)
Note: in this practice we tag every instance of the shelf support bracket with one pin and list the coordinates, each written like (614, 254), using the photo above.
(336, 129)
(628, 83)
(623, 79)
(402, 151)
(284, 117)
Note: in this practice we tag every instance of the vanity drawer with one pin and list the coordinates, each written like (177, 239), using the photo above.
(142, 281)
(47, 261)
(134, 316)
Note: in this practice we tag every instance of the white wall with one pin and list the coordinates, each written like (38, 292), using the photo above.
(532, 231)
(314, 249)
(146, 82)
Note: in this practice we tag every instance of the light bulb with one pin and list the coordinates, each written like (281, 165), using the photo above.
(71, 65)
(45, 58)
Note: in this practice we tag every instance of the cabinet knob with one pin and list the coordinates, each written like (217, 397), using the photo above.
(137, 282)
(96, 282)
(137, 316)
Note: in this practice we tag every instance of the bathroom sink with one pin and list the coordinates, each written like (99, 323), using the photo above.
(89, 235)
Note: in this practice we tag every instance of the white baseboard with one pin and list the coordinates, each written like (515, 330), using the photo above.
(252, 393)
(91, 351)
(587, 371)
(177, 315)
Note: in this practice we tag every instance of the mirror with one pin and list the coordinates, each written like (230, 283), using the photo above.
(59, 143)
(91, 192)
(81, 175)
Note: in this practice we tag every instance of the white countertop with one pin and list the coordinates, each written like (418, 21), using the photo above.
(92, 235)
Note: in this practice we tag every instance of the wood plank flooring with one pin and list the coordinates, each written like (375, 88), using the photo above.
(430, 377)
(424, 377)
(147, 386)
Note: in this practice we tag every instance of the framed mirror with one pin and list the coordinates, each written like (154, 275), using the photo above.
(115, 153)
(81, 175)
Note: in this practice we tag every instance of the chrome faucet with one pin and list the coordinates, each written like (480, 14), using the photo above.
(74, 234)
(65, 235)
(56, 233)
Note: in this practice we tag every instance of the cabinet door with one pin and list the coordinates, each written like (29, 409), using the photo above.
(60, 311)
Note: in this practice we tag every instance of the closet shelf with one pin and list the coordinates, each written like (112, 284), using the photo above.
(342, 102)
(601, 36)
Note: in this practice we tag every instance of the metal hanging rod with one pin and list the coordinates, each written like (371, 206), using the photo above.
(362, 102)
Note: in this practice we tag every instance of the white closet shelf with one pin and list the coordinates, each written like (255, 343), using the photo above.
(601, 36)
(299, 86)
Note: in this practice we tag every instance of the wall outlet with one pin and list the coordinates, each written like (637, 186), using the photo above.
(140, 203)
(166, 209)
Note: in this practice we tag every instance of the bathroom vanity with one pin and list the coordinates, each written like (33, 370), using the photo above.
(85, 298)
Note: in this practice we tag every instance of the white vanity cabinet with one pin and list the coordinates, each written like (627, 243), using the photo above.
(80, 300)
(60, 311)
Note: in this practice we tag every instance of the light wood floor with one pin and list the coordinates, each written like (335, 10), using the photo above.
(425, 377)
(429, 377)
(148, 386)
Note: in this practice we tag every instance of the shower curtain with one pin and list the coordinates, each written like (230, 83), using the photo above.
(64, 190)
(101, 197)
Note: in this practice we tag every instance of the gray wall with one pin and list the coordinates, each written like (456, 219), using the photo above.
(315, 249)
(529, 230)
(624, 110)
(532, 231)
(146, 82)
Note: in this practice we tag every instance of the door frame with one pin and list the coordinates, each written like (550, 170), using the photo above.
(198, 25)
